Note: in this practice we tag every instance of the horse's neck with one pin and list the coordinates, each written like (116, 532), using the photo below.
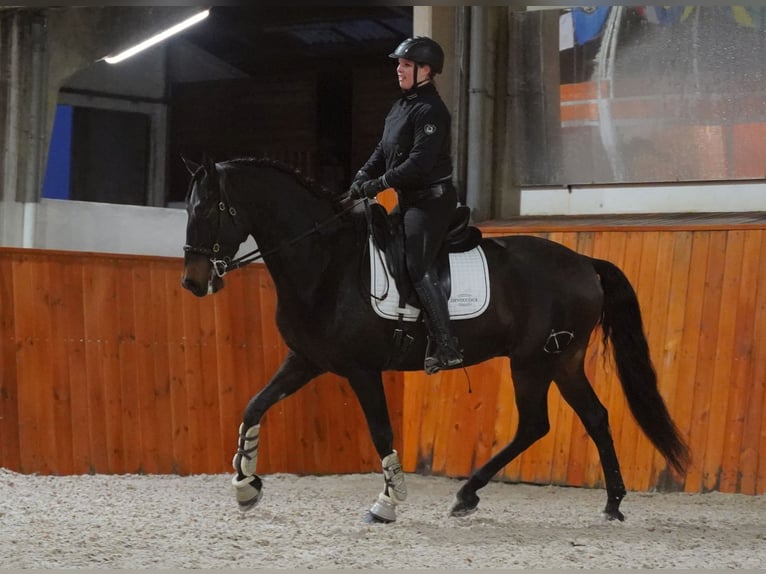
(283, 213)
(298, 272)
(299, 256)
(311, 273)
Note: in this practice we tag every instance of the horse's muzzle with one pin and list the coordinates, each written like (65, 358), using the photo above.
(201, 280)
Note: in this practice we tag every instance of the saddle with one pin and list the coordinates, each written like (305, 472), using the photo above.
(388, 236)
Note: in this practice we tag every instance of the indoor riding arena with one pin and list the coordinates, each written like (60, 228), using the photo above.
(121, 392)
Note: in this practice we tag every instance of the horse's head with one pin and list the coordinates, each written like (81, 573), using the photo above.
(214, 230)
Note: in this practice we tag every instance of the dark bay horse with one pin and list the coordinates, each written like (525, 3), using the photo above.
(316, 251)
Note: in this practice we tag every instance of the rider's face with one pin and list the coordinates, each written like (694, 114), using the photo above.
(405, 71)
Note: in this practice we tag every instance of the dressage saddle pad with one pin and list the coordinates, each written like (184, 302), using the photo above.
(470, 286)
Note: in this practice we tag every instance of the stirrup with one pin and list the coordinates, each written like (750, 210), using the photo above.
(445, 356)
(433, 365)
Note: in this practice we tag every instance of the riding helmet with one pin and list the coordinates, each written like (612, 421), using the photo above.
(421, 50)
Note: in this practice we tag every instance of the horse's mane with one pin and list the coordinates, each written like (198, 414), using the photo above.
(317, 189)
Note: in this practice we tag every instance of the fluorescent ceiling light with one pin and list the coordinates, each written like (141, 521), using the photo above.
(157, 38)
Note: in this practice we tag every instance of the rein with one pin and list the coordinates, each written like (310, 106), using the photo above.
(226, 264)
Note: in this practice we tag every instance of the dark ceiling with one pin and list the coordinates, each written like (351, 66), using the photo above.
(255, 39)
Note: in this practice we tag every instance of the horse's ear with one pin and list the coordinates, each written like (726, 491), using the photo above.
(208, 163)
(190, 165)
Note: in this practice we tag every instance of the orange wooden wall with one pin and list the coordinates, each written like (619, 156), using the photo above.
(109, 366)
(703, 298)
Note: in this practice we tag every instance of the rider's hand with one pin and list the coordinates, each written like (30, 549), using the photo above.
(373, 187)
(356, 186)
(355, 190)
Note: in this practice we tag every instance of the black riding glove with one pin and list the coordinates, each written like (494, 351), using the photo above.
(373, 187)
(356, 186)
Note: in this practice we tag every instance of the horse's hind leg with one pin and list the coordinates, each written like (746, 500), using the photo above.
(368, 387)
(531, 386)
(294, 373)
(577, 391)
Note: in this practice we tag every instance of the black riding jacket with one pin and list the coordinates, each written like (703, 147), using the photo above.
(414, 151)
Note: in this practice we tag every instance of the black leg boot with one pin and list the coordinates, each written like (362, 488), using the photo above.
(443, 350)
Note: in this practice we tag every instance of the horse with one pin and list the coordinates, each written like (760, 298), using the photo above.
(315, 245)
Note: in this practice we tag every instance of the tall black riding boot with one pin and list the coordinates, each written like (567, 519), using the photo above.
(443, 350)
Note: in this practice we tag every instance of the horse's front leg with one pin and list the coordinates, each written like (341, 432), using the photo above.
(368, 387)
(294, 373)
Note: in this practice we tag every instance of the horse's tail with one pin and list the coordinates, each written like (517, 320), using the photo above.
(621, 323)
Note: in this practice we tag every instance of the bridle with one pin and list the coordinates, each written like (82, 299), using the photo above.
(222, 265)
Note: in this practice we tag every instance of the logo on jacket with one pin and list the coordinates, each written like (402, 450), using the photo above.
(430, 129)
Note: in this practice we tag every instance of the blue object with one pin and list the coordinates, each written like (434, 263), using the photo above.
(57, 172)
(588, 21)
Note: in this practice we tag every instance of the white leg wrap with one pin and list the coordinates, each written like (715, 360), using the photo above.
(246, 459)
(395, 489)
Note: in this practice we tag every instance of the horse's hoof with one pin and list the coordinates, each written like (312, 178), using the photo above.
(466, 504)
(460, 510)
(249, 491)
(371, 518)
(613, 515)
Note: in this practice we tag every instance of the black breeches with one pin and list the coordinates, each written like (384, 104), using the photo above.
(426, 222)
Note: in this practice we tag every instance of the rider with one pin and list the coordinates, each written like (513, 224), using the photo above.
(413, 157)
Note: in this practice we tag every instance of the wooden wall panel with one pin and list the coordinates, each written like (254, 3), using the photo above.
(10, 429)
(701, 294)
(109, 366)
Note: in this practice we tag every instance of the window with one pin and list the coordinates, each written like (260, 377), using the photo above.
(653, 94)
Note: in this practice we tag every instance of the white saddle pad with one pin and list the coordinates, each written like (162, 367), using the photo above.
(470, 286)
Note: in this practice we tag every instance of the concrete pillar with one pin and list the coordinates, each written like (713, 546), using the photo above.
(39, 50)
(442, 24)
(23, 51)
(481, 97)
(531, 103)
(438, 22)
